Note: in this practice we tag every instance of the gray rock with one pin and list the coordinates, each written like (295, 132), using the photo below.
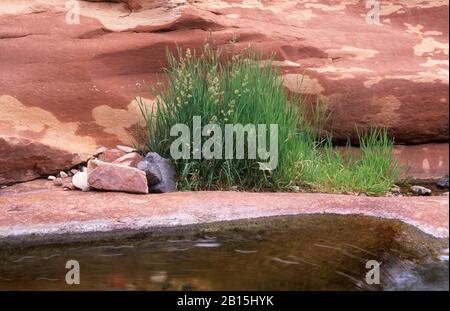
(419, 190)
(151, 171)
(443, 182)
(160, 173)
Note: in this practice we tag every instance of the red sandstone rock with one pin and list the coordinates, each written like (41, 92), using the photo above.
(92, 67)
(115, 177)
(392, 75)
(67, 183)
(111, 155)
(99, 150)
(428, 161)
(125, 148)
(129, 159)
(24, 159)
(78, 212)
(421, 162)
(58, 181)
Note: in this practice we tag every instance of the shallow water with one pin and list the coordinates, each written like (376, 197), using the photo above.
(294, 253)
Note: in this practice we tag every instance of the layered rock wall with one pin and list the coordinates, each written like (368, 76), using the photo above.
(70, 87)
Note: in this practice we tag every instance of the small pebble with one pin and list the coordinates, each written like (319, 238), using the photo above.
(74, 171)
(68, 185)
(58, 181)
(63, 174)
(51, 177)
(443, 182)
(295, 188)
(3, 187)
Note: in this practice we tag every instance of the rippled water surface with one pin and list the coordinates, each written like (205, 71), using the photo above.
(295, 253)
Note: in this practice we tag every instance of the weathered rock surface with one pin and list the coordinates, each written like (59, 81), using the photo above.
(23, 159)
(68, 88)
(160, 173)
(130, 159)
(115, 177)
(422, 162)
(95, 211)
(57, 181)
(67, 184)
(111, 155)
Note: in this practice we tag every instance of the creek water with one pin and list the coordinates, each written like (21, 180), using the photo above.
(321, 252)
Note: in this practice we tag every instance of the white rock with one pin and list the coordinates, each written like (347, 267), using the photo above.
(295, 188)
(63, 174)
(51, 177)
(419, 190)
(79, 180)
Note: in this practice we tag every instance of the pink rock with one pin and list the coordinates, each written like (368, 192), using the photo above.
(24, 159)
(67, 184)
(58, 181)
(74, 171)
(130, 159)
(42, 211)
(116, 177)
(110, 155)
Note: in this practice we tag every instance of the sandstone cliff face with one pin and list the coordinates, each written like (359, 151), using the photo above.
(70, 87)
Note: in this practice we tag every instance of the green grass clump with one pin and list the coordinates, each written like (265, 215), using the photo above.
(245, 90)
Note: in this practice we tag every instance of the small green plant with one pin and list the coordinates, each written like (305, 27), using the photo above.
(372, 170)
(245, 90)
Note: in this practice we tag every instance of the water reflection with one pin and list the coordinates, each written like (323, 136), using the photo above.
(296, 253)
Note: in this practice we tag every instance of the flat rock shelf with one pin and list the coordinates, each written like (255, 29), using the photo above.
(38, 211)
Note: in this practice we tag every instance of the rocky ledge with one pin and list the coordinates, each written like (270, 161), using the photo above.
(38, 209)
